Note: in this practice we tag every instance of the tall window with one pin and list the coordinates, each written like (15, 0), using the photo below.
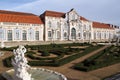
(58, 34)
(79, 35)
(65, 35)
(24, 35)
(17, 34)
(37, 35)
(109, 35)
(100, 35)
(9, 33)
(94, 35)
(31, 34)
(73, 33)
(1, 34)
(105, 36)
(49, 34)
(89, 27)
(50, 24)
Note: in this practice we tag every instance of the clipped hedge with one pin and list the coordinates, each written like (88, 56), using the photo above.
(92, 63)
(7, 61)
(8, 49)
(58, 61)
(78, 55)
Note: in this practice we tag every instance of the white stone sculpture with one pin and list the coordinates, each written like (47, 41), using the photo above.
(20, 65)
(2, 44)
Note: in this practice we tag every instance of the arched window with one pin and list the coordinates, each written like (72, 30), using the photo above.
(17, 34)
(94, 35)
(37, 35)
(85, 35)
(73, 33)
(24, 35)
(49, 34)
(105, 35)
(65, 35)
(31, 34)
(58, 34)
(100, 35)
(1, 34)
(109, 35)
(50, 24)
(9, 35)
(79, 35)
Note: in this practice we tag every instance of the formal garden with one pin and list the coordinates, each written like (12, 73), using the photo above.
(53, 54)
(108, 56)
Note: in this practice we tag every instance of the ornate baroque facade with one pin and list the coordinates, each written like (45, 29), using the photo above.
(52, 26)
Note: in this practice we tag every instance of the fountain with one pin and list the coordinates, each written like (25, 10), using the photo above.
(20, 71)
(20, 65)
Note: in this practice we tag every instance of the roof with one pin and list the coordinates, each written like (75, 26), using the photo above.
(101, 25)
(19, 17)
(84, 19)
(54, 13)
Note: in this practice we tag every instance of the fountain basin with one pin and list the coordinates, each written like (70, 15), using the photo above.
(38, 74)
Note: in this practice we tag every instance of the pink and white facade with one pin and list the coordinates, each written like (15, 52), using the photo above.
(52, 26)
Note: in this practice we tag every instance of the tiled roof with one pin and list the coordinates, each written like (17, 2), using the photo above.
(101, 25)
(54, 13)
(84, 19)
(19, 17)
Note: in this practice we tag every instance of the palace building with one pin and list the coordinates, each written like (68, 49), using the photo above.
(52, 26)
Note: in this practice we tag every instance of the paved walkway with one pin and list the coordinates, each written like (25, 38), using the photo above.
(106, 71)
(73, 74)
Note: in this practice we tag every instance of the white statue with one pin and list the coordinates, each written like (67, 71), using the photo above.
(20, 65)
(2, 44)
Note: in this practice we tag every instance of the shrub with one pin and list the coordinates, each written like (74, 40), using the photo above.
(7, 61)
(45, 53)
(30, 52)
(99, 60)
(8, 49)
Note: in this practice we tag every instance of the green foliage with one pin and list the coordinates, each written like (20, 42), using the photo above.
(7, 61)
(45, 53)
(76, 56)
(57, 49)
(8, 49)
(102, 59)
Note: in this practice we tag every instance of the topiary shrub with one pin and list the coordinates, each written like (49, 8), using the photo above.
(7, 61)
(45, 53)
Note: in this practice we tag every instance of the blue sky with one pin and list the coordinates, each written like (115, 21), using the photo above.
(107, 11)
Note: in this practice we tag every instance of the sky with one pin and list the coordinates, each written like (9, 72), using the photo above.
(107, 11)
